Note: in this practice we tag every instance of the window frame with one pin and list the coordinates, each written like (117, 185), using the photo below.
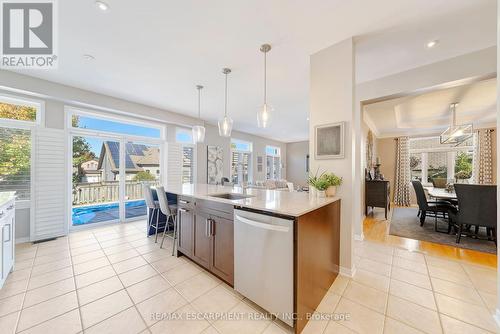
(273, 156)
(249, 152)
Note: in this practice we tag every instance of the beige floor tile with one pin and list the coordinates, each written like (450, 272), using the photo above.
(374, 266)
(378, 257)
(418, 267)
(11, 304)
(409, 255)
(51, 266)
(197, 285)
(181, 273)
(118, 248)
(472, 314)
(413, 293)
(20, 265)
(67, 323)
(217, 300)
(369, 278)
(454, 326)
(183, 323)
(52, 250)
(275, 329)
(484, 279)
(156, 255)
(396, 327)
(8, 323)
(489, 299)
(49, 291)
(137, 275)
(85, 267)
(126, 322)
(94, 276)
(85, 249)
(98, 290)
(104, 308)
(122, 256)
(51, 277)
(445, 264)
(414, 315)
(335, 327)
(367, 296)
(315, 325)
(129, 264)
(449, 275)
(328, 303)
(18, 275)
(168, 263)
(50, 258)
(49, 309)
(411, 277)
(14, 288)
(147, 288)
(455, 290)
(163, 303)
(250, 321)
(339, 284)
(361, 319)
(147, 248)
(112, 242)
(88, 256)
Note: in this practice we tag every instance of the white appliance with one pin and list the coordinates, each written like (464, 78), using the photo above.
(263, 261)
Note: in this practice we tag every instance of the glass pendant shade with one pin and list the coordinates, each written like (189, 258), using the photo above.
(198, 134)
(225, 126)
(264, 115)
(456, 134)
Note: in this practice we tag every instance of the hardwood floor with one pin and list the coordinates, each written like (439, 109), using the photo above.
(376, 228)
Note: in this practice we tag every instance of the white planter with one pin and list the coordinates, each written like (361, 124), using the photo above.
(331, 191)
(313, 191)
(321, 193)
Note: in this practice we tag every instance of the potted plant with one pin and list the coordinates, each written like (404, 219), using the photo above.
(462, 176)
(333, 182)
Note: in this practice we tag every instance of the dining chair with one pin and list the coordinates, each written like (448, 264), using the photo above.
(153, 206)
(431, 207)
(170, 211)
(477, 206)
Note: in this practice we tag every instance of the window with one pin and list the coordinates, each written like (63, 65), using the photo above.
(15, 161)
(429, 159)
(21, 111)
(187, 164)
(183, 135)
(273, 163)
(241, 161)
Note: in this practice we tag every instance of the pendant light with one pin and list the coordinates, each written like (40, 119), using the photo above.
(456, 134)
(226, 123)
(199, 130)
(264, 114)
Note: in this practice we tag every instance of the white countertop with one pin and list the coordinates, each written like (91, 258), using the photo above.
(7, 196)
(290, 203)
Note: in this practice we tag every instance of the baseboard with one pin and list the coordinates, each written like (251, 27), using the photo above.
(497, 317)
(22, 240)
(359, 237)
(348, 272)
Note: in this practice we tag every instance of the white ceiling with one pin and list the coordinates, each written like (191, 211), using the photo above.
(430, 113)
(155, 52)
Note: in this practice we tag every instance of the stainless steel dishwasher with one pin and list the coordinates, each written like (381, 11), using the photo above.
(263, 261)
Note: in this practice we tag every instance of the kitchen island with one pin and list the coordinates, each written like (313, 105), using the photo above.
(278, 248)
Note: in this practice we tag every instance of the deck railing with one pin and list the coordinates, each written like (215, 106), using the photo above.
(108, 191)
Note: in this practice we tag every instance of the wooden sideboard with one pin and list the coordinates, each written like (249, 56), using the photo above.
(377, 194)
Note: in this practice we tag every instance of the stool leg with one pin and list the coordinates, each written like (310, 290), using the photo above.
(157, 220)
(164, 233)
(175, 234)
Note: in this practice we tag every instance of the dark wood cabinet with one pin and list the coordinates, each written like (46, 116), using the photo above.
(185, 224)
(377, 194)
(202, 240)
(222, 259)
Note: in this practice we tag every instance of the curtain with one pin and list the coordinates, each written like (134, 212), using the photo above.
(402, 181)
(483, 157)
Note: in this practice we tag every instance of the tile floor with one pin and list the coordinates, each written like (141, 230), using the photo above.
(113, 279)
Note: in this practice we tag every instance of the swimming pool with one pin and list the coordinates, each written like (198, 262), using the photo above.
(91, 214)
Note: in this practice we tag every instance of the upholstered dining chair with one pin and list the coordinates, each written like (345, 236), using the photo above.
(153, 206)
(170, 211)
(432, 208)
(477, 206)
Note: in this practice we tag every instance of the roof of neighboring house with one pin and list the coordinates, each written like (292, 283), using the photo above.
(136, 155)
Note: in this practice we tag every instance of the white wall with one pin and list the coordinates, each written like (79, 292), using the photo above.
(57, 96)
(331, 100)
(296, 162)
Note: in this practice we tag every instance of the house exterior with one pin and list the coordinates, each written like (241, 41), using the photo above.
(91, 172)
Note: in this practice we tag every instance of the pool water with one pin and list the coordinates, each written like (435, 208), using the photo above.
(105, 212)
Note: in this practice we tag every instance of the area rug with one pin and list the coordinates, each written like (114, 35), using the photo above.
(405, 223)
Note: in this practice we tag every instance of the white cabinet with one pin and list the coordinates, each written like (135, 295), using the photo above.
(7, 233)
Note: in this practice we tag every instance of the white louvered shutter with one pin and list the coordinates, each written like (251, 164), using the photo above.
(51, 198)
(174, 165)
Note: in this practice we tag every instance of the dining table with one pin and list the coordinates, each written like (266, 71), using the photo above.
(440, 193)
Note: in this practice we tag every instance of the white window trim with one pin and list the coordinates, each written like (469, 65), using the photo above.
(195, 160)
(273, 147)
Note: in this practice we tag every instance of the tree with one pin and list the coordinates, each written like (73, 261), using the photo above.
(144, 176)
(463, 165)
(81, 153)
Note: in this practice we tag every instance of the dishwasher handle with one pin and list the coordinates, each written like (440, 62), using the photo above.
(265, 226)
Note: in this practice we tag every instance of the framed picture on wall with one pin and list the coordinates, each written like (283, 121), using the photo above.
(214, 164)
(329, 141)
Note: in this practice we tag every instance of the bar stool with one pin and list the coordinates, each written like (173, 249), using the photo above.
(154, 206)
(170, 211)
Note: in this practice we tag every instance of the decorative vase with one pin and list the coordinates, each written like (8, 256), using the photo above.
(331, 191)
(321, 193)
(312, 191)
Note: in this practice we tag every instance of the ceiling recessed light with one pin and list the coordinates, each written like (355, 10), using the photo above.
(432, 44)
(102, 5)
(88, 57)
